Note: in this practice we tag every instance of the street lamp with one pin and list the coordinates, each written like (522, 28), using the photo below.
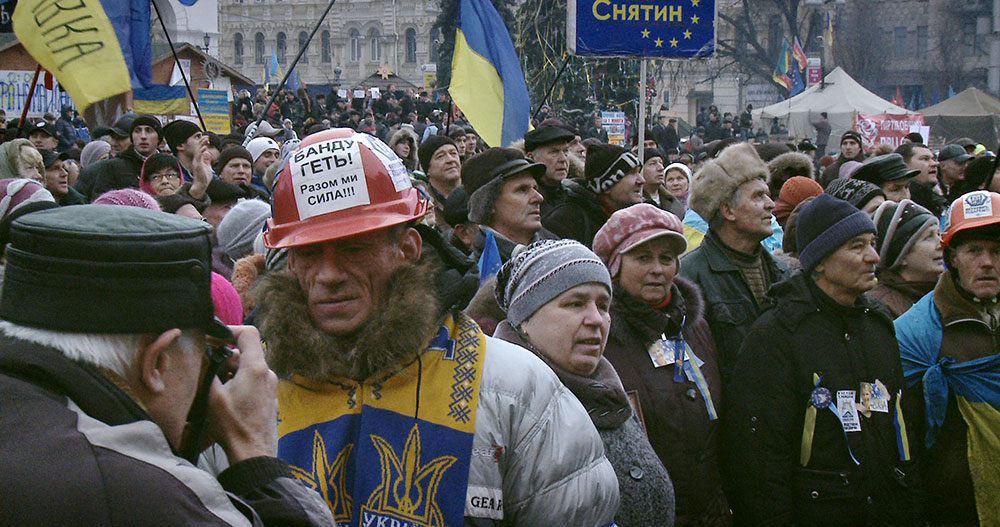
(208, 39)
(336, 74)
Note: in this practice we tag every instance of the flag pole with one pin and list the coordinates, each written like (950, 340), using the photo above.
(642, 109)
(31, 93)
(177, 61)
(552, 86)
(288, 71)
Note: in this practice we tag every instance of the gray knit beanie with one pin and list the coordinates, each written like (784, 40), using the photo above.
(543, 271)
(240, 226)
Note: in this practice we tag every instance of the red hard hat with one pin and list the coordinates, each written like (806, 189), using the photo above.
(339, 183)
(973, 210)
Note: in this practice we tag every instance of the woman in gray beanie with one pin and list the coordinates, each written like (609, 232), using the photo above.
(557, 294)
(239, 228)
(910, 252)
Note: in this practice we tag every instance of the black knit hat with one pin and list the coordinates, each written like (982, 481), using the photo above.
(851, 134)
(148, 271)
(483, 175)
(900, 225)
(431, 145)
(230, 153)
(148, 120)
(606, 165)
(157, 162)
(854, 191)
(176, 132)
(650, 153)
(824, 224)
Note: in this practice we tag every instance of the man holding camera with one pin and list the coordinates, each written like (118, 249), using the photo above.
(111, 370)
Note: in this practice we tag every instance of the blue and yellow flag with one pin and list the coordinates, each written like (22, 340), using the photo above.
(489, 261)
(109, 37)
(160, 99)
(486, 78)
(780, 74)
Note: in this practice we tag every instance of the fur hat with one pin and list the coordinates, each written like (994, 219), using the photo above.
(431, 145)
(786, 166)
(720, 177)
(606, 165)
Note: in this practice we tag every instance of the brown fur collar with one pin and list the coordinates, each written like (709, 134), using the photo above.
(402, 324)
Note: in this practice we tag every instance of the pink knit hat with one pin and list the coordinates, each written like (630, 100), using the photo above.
(228, 306)
(632, 226)
(129, 197)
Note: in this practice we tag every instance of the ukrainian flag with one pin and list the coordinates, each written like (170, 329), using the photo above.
(160, 99)
(95, 48)
(486, 78)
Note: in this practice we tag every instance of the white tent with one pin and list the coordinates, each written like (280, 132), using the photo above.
(840, 98)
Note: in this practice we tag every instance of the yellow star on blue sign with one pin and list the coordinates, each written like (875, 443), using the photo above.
(694, 19)
(695, 2)
(673, 41)
(659, 42)
(687, 33)
(645, 33)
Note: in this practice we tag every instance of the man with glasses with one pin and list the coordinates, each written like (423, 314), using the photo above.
(110, 389)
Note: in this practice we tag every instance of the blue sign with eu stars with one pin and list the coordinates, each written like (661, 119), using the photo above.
(670, 29)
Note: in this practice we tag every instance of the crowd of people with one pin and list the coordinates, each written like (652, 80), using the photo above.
(355, 312)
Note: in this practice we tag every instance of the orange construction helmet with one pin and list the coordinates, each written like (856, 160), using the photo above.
(977, 209)
(339, 183)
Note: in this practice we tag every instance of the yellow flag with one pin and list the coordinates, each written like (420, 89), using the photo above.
(77, 43)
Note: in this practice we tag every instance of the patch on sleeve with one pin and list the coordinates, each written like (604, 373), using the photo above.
(484, 502)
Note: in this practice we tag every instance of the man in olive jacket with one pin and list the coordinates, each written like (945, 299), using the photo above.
(731, 267)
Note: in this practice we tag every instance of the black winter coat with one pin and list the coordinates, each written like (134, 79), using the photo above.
(110, 174)
(674, 413)
(731, 305)
(579, 216)
(802, 334)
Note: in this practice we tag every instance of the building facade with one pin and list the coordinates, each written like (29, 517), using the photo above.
(356, 38)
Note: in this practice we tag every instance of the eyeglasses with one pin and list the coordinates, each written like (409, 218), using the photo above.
(172, 176)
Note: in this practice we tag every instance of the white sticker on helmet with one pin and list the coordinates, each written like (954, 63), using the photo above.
(328, 176)
(977, 205)
(393, 164)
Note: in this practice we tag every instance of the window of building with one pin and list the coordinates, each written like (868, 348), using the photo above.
(238, 48)
(434, 41)
(411, 45)
(303, 42)
(280, 47)
(921, 41)
(899, 38)
(355, 38)
(375, 45)
(326, 55)
(258, 48)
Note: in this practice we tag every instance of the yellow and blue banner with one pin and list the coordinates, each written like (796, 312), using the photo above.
(486, 78)
(390, 451)
(976, 387)
(781, 70)
(160, 99)
(618, 28)
(95, 48)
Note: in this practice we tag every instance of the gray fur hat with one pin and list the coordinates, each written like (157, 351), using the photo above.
(720, 177)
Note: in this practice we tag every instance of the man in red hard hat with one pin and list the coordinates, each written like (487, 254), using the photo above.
(396, 410)
(951, 361)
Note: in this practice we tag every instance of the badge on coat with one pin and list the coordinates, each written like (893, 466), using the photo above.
(874, 398)
(847, 410)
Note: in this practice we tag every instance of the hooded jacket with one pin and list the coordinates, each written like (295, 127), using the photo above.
(579, 216)
(675, 416)
(802, 343)
(534, 449)
(10, 158)
(406, 132)
(88, 454)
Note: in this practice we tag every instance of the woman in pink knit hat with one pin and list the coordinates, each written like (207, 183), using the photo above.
(664, 352)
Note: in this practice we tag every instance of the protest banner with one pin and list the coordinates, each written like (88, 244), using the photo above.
(14, 86)
(621, 28)
(885, 128)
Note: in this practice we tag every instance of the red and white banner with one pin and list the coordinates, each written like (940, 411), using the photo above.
(885, 128)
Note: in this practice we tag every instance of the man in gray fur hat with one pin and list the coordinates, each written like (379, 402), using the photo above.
(730, 266)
